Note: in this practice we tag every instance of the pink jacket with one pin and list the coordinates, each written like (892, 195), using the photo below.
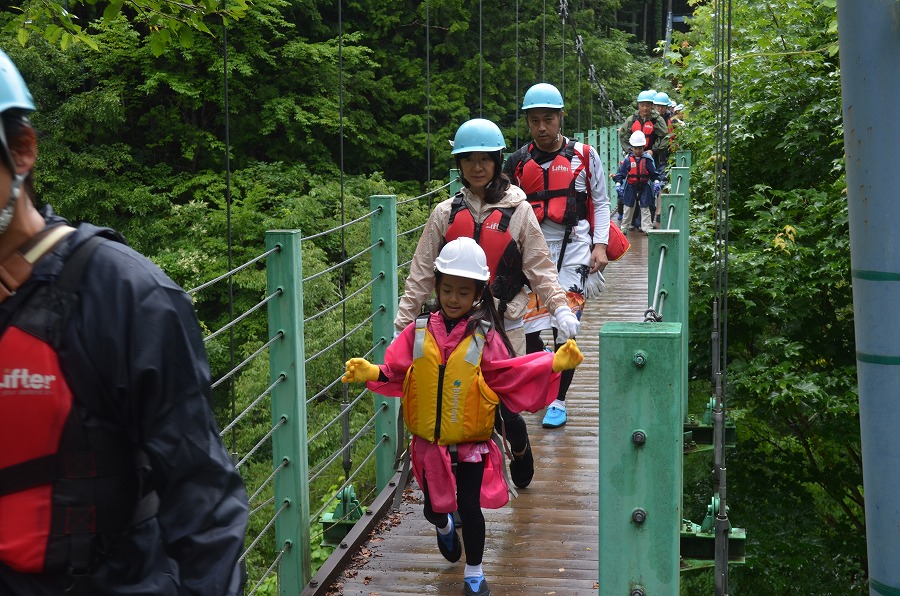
(522, 383)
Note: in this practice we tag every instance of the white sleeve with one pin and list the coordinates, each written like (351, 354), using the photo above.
(600, 199)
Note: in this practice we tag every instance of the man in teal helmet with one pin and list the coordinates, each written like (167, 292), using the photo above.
(113, 478)
(648, 121)
(564, 181)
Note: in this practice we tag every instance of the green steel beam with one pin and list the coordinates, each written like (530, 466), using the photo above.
(384, 308)
(455, 183)
(640, 456)
(579, 136)
(592, 139)
(284, 272)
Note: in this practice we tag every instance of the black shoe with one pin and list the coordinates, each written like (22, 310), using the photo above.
(449, 545)
(476, 586)
(521, 468)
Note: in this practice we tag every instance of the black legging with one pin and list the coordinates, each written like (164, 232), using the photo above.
(534, 343)
(468, 499)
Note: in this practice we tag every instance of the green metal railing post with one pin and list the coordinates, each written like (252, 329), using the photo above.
(673, 285)
(455, 182)
(284, 271)
(683, 159)
(592, 139)
(640, 455)
(384, 307)
(579, 136)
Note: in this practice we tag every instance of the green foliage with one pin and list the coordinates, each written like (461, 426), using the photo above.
(166, 22)
(795, 480)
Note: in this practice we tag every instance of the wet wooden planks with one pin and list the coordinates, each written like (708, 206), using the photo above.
(545, 541)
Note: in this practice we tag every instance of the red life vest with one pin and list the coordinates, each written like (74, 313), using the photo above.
(551, 190)
(637, 171)
(503, 255)
(64, 478)
(647, 128)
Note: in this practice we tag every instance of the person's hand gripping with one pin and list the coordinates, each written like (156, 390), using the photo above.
(567, 357)
(360, 370)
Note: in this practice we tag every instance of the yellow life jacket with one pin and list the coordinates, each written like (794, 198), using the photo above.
(448, 402)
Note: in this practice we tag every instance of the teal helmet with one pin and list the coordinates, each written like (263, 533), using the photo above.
(14, 95)
(661, 99)
(647, 95)
(542, 95)
(13, 91)
(478, 134)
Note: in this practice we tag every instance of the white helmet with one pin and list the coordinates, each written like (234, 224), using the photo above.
(463, 257)
(638, 139)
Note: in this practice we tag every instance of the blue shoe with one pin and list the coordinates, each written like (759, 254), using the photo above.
(476, 586)
(619, 217)
(554, 418)
(450, 545)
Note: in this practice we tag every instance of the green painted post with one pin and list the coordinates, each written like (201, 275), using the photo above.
(579, 136)
(384, 307)
(455, 182)
(674, 285)
(592, 139)
(615, 149)
(683, 159)
(640, 454)
(284, 271)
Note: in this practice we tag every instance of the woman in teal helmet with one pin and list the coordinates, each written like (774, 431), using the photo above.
(498, 216)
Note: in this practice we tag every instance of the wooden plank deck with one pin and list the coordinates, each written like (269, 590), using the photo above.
(545, 541)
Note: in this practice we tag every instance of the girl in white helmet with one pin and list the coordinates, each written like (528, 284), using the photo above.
(636, 182)
(452, 368)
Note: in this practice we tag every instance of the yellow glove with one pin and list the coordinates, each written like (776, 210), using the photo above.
(360, 370)
(567, 357)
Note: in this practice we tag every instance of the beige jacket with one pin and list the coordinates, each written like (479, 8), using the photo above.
(539, 270)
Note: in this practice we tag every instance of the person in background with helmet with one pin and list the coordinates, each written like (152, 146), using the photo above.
(565, 184)
(464, 336)
(496, 214)
(113, 478)
(661, 158)
(648, 121)
(636, 181)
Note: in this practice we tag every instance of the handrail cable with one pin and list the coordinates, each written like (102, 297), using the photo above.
(427, 194)
(342, 263)
(259, 536)
(343, 225)
(345, 299)
(227, 375)
(323, 465)
(346, 335)
(659, 273)
(261, 506)
(285, 462)
(268, 572)
(344, 410)
(410, 231)
(244, 315)
(281, 378)
(235, 270)
(267, 436)
(338, 380)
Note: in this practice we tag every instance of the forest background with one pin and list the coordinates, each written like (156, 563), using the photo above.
(328, 107)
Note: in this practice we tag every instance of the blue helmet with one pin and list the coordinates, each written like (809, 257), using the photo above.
(661, 99)
(13, 91)
(648, 95)
(14, 94)
(478, 134)
(542, 95)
